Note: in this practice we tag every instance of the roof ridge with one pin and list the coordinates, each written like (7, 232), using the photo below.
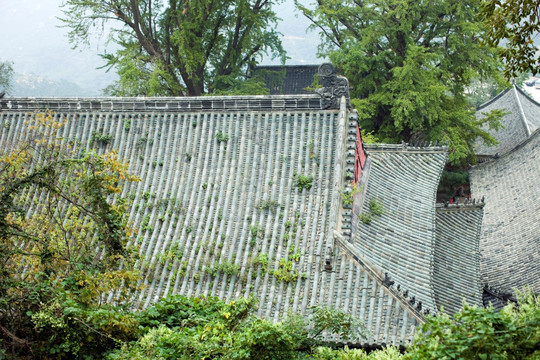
(401, 295)
(495, 157)
(470, 204)
(490, 101)
(406, 147)
(522, 113)
(522, 92)
(339, 170)
(173, 104)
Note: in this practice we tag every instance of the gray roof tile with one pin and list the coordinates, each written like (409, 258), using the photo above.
(522, 118)
(400, 242)
(197, 204)
(510, 237)
(457, 256)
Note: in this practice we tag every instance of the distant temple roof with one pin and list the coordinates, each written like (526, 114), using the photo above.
(288, 79)
(521, 120)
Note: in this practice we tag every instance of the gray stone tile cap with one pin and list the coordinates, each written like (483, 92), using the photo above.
(297, 78)
(510, 235)
(401, 241)
(456, 274)
(167, 104)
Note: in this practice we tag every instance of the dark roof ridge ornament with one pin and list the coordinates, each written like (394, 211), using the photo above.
(333, 87)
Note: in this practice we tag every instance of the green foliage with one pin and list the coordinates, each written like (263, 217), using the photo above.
(409, 65)
(271, 205)
(285, 271)
(514, 24)
(227, 268)
(6, 76)
(221, 137)
(70, 249)
(196, 328)
(240, 86)
(375, 209)
(368, 137)
(262, 260)
(100, 138)
(256, 231)
(335, 321)
(365, 218)
(302, 182)
(205, 327)
(480, 91)
(324, 353)
(294, 254)
(451, 178)
(348, 196)
(179, 47)
(482, 333)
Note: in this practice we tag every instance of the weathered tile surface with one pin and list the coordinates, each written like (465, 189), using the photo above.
(457, 256)
(400, 242)
(521, 120)
(510, 236)
(199, 204)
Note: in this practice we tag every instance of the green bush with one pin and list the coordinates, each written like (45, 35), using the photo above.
(302, 182)
(482, 333)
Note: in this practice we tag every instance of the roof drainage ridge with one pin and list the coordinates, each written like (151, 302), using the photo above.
(405, 147)
(402, 295)
(172, 104)
(522, 92)
(472, 204)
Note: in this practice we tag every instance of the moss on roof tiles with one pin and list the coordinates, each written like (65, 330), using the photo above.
(206, 175)
(400, 242)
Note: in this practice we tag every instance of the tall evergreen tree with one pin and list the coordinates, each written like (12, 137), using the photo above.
(177, 47)
(409, 64)
(6, 76)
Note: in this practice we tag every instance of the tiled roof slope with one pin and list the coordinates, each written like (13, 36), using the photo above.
(224, 218)
(295, 81)
(522, 118)
(531, 109)
(491, 297)
(457, 256)
(400, 242)
(510, 236)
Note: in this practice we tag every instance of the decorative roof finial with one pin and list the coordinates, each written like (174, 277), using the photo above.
(334, 87)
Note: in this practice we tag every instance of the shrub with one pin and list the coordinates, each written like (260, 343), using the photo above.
(303, 181)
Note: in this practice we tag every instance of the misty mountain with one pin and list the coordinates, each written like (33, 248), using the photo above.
(30, 85)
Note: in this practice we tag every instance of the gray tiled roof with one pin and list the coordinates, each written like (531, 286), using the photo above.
(457, 256)
(400, 242)
(295, 80)
(491, 297)
(510, 236)
(522, 118)
(197, 204)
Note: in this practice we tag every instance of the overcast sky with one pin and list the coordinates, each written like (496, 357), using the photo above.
(31, 39)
